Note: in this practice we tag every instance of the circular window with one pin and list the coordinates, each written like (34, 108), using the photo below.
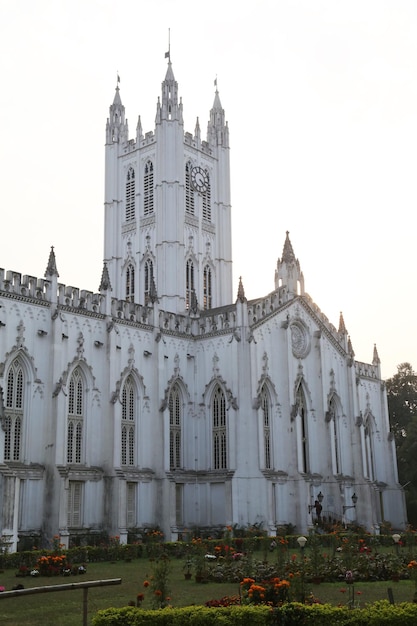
(300, 340)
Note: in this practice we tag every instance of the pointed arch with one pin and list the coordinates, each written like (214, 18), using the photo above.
(333, 418)
(148, 188)
(189, 282)
(266, 413)
(76, 416)
(207, 287)
(300, 410)
(207, 200)
(189, 192)
(129, 421)
(148, 280)
(175, 407)
(14, 410)
(130, 282)
(369, 432)
(219, 428)
(130, 195)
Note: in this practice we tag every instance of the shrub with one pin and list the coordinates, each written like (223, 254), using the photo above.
(292, 614)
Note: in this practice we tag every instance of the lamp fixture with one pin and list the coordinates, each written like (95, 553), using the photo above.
(98, 344)
(302, 542)
(351, 506)
(147, 353)
(42, 333)
(320, 497)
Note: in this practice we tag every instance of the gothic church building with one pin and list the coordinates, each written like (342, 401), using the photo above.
(163, 399)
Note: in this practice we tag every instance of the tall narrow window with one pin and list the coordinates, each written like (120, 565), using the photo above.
(130, 283)
(131, 489)
(265, 408)
(219, 429)
(189, 192)
(75, 498)
(189, 283)
(128, 423)
(207, 295)
(148, 193)
(148, 280)
(302, 431)
(175, 428)
(369, 449)
(75, 418)
(334, 425)
(14, 412)
(130, 195)
(207, 201)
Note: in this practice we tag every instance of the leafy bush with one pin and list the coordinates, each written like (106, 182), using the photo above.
(292, 614)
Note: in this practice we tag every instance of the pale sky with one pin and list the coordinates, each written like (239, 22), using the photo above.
(321, 100)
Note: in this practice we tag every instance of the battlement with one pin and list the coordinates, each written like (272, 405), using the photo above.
(367, 370)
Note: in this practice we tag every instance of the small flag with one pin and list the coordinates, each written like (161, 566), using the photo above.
(118, 78)
(215, 83)
(167, 55)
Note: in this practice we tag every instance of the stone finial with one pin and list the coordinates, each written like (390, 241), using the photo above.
(51, 269)
(241, 291)
(105, 280)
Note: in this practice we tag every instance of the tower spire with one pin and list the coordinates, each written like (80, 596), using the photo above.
(288, 273)
(169, 107)
(116, 128)
(217, 129)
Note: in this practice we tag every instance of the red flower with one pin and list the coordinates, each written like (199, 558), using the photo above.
(146, 583)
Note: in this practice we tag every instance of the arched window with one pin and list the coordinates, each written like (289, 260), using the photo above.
(302, 430)
(128, 422)
(130, 195)
(335, 436)
(148, 194)
(148, 280)
(175, 428)
(207, 288)
(266, 425)
(189, 192)
(219, 429)
(130, 283)
(75, 418)
(369, 449)
(189, 282)
(14, 412)
(207, 201)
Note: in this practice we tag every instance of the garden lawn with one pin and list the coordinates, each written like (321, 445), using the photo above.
(65, 608)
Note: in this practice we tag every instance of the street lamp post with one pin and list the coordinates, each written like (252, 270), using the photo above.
(302, 542)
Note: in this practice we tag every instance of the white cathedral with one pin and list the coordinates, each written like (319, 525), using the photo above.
(162, 400)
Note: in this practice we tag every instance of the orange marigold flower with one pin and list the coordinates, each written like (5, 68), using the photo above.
(158, 592)
(146, 583)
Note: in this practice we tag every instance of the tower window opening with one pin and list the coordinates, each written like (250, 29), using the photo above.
(148, 192)
(189, 283)
(130, 195)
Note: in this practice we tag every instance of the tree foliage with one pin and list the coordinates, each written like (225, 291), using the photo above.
(402, 403)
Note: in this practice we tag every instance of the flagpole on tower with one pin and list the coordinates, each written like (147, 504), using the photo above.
(168, 54)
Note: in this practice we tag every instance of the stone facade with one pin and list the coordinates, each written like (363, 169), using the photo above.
(160, 401)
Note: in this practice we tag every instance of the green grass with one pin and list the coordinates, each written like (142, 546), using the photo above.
(65, 608)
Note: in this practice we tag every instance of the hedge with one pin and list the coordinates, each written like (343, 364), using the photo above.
(291, 614)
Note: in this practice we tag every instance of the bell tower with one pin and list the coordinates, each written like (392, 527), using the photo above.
(167, 207)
